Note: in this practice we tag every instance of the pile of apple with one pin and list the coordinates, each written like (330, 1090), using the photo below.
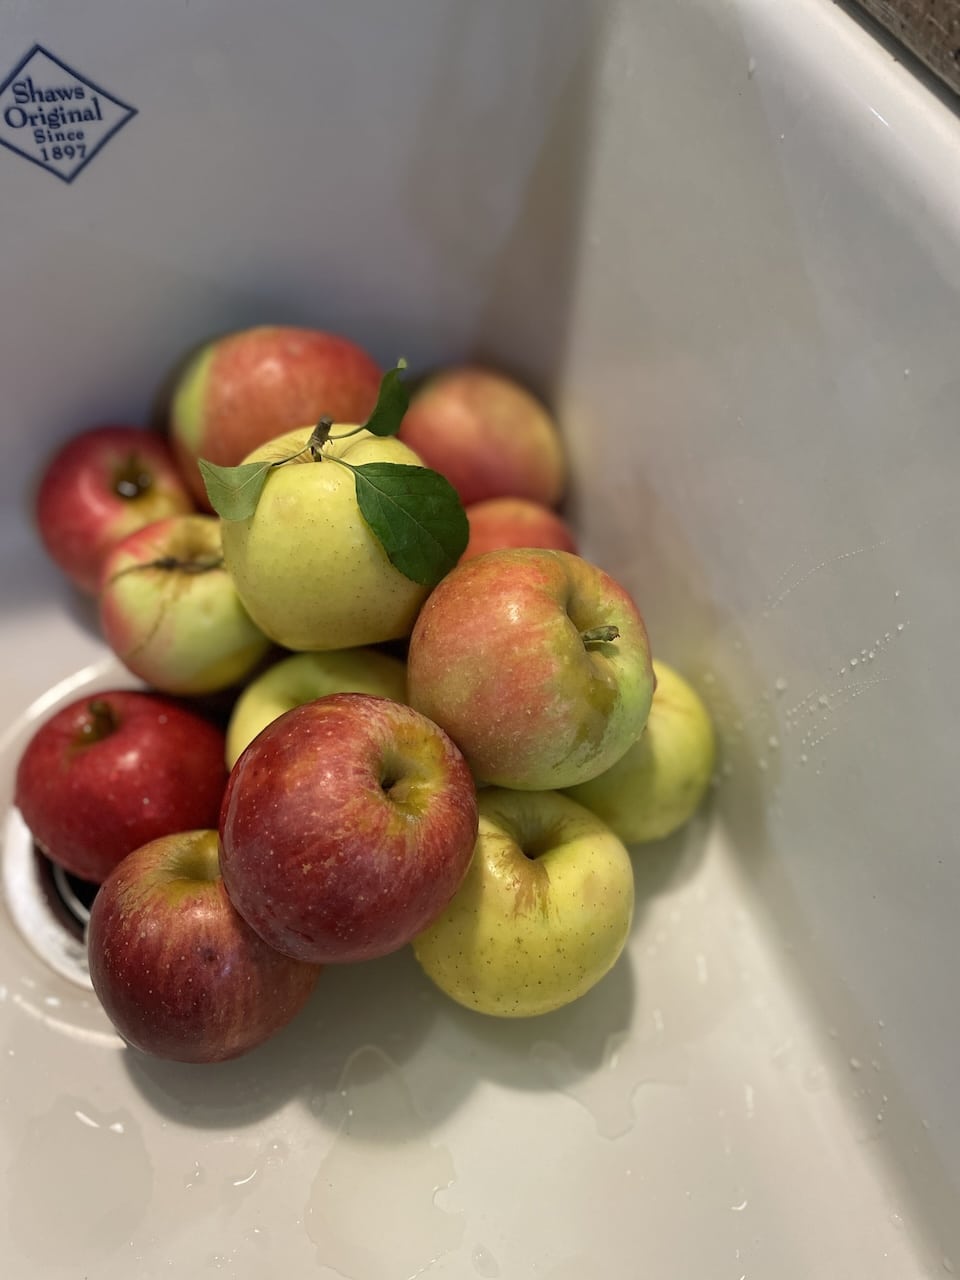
(438, 724)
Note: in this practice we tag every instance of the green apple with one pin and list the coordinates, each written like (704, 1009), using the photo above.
(304, 676)
(170, 612)
(660, 782)
(307, 566)
(543, 912)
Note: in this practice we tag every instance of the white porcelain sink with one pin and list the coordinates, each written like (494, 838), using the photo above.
(724, 240)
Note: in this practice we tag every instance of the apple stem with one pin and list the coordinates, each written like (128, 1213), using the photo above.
(600, 635)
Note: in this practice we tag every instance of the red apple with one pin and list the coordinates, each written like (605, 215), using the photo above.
(347, 825)
(488, 435)
(536, 663)
(178, 972)
(515, 522)
(241, 390)
(97, 488)
(111, 771)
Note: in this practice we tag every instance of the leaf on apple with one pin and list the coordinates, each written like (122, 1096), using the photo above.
(417, 516)
(234, 491)
(393, 399)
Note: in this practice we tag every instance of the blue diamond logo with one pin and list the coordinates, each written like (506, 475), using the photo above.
(55, 117)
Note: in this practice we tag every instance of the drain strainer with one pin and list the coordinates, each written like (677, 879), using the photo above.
(49, 907)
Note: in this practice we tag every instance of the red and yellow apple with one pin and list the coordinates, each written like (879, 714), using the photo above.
(536, 663)
(515, 522)
(347, 825)
(488, 435)
(243, 389)
(178, 972)
(170, 612)
(97, 488)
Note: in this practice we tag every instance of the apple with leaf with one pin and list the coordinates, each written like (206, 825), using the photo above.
(334, 536)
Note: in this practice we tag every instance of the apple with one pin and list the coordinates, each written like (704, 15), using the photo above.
(308, 568)
(543, 912)
(536, 663)
(515, 522)
(661, 780)
(347, 825)
(243, 389)
(488, 435)
(111, 771)
(98, 487)
(170, 612)
(302, 677)
(178, 972)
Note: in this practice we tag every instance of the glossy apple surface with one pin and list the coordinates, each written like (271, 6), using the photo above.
(170, 612)
(114, 770)
(347, 825)
(307, 566)
(488, 435)
(98, 487)
(302, 677)
(243, 389)
(508, 656)
(661, 780)
(515, 522)
(178, 972)
(543, 912)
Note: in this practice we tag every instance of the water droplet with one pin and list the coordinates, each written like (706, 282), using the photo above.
(843, 671)
(880, 1023)
(772, 742)
(739, 1208)
(484, 1263)
(906, 373)
(900, 626)
(823, 700)
(855, 1064)
(872, 654)
(780, 685)
(803, 759)
(896, 595)
(896, 1220)
(762, 765)
(854, 661)
(751, 68)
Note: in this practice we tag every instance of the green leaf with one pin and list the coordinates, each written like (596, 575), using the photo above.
(234, 491)
(392, 401)
(416, 514)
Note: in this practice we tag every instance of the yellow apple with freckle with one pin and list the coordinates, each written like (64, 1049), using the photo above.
(662, 779)
(543, 912)
(300, 678)
(309, 569)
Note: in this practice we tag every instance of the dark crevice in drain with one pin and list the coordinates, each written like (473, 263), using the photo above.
(68, 897)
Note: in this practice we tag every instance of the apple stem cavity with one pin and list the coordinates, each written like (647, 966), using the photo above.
(131, 479)
(103, 721)
(600, 635)
(203, 564)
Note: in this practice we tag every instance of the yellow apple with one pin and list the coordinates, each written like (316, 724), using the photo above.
(660, 782)
(310, 571)
(304, 676)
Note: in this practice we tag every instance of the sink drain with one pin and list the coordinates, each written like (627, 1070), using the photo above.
(49, 907)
